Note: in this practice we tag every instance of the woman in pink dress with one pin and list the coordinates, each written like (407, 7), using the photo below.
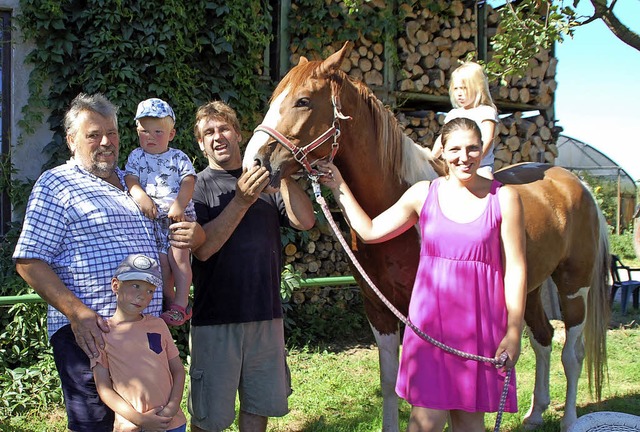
(470, 288)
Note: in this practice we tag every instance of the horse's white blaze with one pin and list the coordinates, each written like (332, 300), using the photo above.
(259, 139)
(540, 398)
(572, 357)
(388, 351)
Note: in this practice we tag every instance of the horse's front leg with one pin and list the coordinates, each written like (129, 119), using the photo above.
(540, 398)
(388, 352)
(540, 334)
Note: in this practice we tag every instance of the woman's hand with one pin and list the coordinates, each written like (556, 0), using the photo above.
(511, 344)
(330, 176)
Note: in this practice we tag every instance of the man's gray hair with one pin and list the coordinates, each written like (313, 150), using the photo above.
(83, 102)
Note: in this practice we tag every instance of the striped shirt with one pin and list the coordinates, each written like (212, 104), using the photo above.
(83, 227)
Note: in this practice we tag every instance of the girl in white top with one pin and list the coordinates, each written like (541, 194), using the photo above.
(470, 97)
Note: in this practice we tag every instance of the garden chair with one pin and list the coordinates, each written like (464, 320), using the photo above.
(622, 278)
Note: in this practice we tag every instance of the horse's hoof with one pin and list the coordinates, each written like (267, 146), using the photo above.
(529, 424)
(565, 424)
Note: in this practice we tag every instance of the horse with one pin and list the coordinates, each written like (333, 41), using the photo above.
(317, 111)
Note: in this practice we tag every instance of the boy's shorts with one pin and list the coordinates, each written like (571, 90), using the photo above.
(85, 411)
(246, 358)
(161, 227)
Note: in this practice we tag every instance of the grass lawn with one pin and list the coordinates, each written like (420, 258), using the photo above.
(336, 389)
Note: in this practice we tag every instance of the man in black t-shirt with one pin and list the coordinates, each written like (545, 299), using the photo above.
(237, 333)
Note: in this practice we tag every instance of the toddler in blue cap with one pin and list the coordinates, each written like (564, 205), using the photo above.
(161, 180)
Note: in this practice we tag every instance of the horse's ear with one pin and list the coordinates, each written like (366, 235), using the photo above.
(303, 60)
(334, 61)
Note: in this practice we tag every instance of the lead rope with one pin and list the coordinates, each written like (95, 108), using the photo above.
(497, 363)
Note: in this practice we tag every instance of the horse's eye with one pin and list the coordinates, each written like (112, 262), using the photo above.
(302, 102)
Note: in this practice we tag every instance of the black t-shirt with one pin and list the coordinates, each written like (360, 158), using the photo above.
(241, 282)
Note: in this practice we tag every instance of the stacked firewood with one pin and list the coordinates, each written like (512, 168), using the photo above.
(433, 42)
(530, 139)
(421, 126)
(337, 295)
(366, 62)
(519, 139)
(321, 256)
(432, 45)
(537, 86)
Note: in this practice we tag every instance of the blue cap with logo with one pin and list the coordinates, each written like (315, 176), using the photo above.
(139, 267)
(154, 107)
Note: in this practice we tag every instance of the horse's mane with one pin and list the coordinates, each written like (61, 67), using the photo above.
(398, 154)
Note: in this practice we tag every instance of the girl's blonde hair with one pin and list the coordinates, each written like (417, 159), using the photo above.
(475, 80)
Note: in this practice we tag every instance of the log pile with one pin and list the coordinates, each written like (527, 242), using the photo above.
(432, 45)
(519, 139)
(321, 256)
(335, 296)
(538, 84)
(366, 62)
(530, 139)
(421, 126)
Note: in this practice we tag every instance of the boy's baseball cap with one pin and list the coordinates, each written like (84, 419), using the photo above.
(139, 267)
(154, 107)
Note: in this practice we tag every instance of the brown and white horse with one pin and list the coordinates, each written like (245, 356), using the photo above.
(566, 235)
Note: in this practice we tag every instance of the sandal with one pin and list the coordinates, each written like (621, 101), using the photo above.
(176, 315)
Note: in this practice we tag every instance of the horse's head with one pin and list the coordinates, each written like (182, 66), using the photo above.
(300, 126)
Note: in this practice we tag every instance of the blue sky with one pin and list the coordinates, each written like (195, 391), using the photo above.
(598, 94)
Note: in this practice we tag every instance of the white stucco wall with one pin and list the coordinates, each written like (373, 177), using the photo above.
(27, 154)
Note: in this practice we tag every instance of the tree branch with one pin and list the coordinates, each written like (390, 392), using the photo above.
(621, 31)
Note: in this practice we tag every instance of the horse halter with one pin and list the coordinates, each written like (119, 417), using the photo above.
(300, 153)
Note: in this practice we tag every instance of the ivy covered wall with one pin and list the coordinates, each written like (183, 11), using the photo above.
(186, 52)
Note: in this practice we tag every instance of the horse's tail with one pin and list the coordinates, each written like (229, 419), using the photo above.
(598, 312)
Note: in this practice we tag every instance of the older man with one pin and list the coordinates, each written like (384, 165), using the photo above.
(79, 225)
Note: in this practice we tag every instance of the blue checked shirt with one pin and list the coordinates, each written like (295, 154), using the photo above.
(83, 227)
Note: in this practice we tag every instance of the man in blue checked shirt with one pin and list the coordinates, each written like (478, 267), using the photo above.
(80, 223)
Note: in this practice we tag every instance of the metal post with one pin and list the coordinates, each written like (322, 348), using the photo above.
(309, 282)
(285, 37)
(619, 203)
(481, 34)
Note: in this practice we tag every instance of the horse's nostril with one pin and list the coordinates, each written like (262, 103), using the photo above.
(258, 162)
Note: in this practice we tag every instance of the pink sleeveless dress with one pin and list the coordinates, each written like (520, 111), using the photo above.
(458, 299)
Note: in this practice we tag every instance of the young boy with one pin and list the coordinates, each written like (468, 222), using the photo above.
(139, 374)
(161, 180)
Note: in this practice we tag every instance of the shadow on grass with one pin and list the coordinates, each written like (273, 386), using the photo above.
(629, 404)
(631, 319)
